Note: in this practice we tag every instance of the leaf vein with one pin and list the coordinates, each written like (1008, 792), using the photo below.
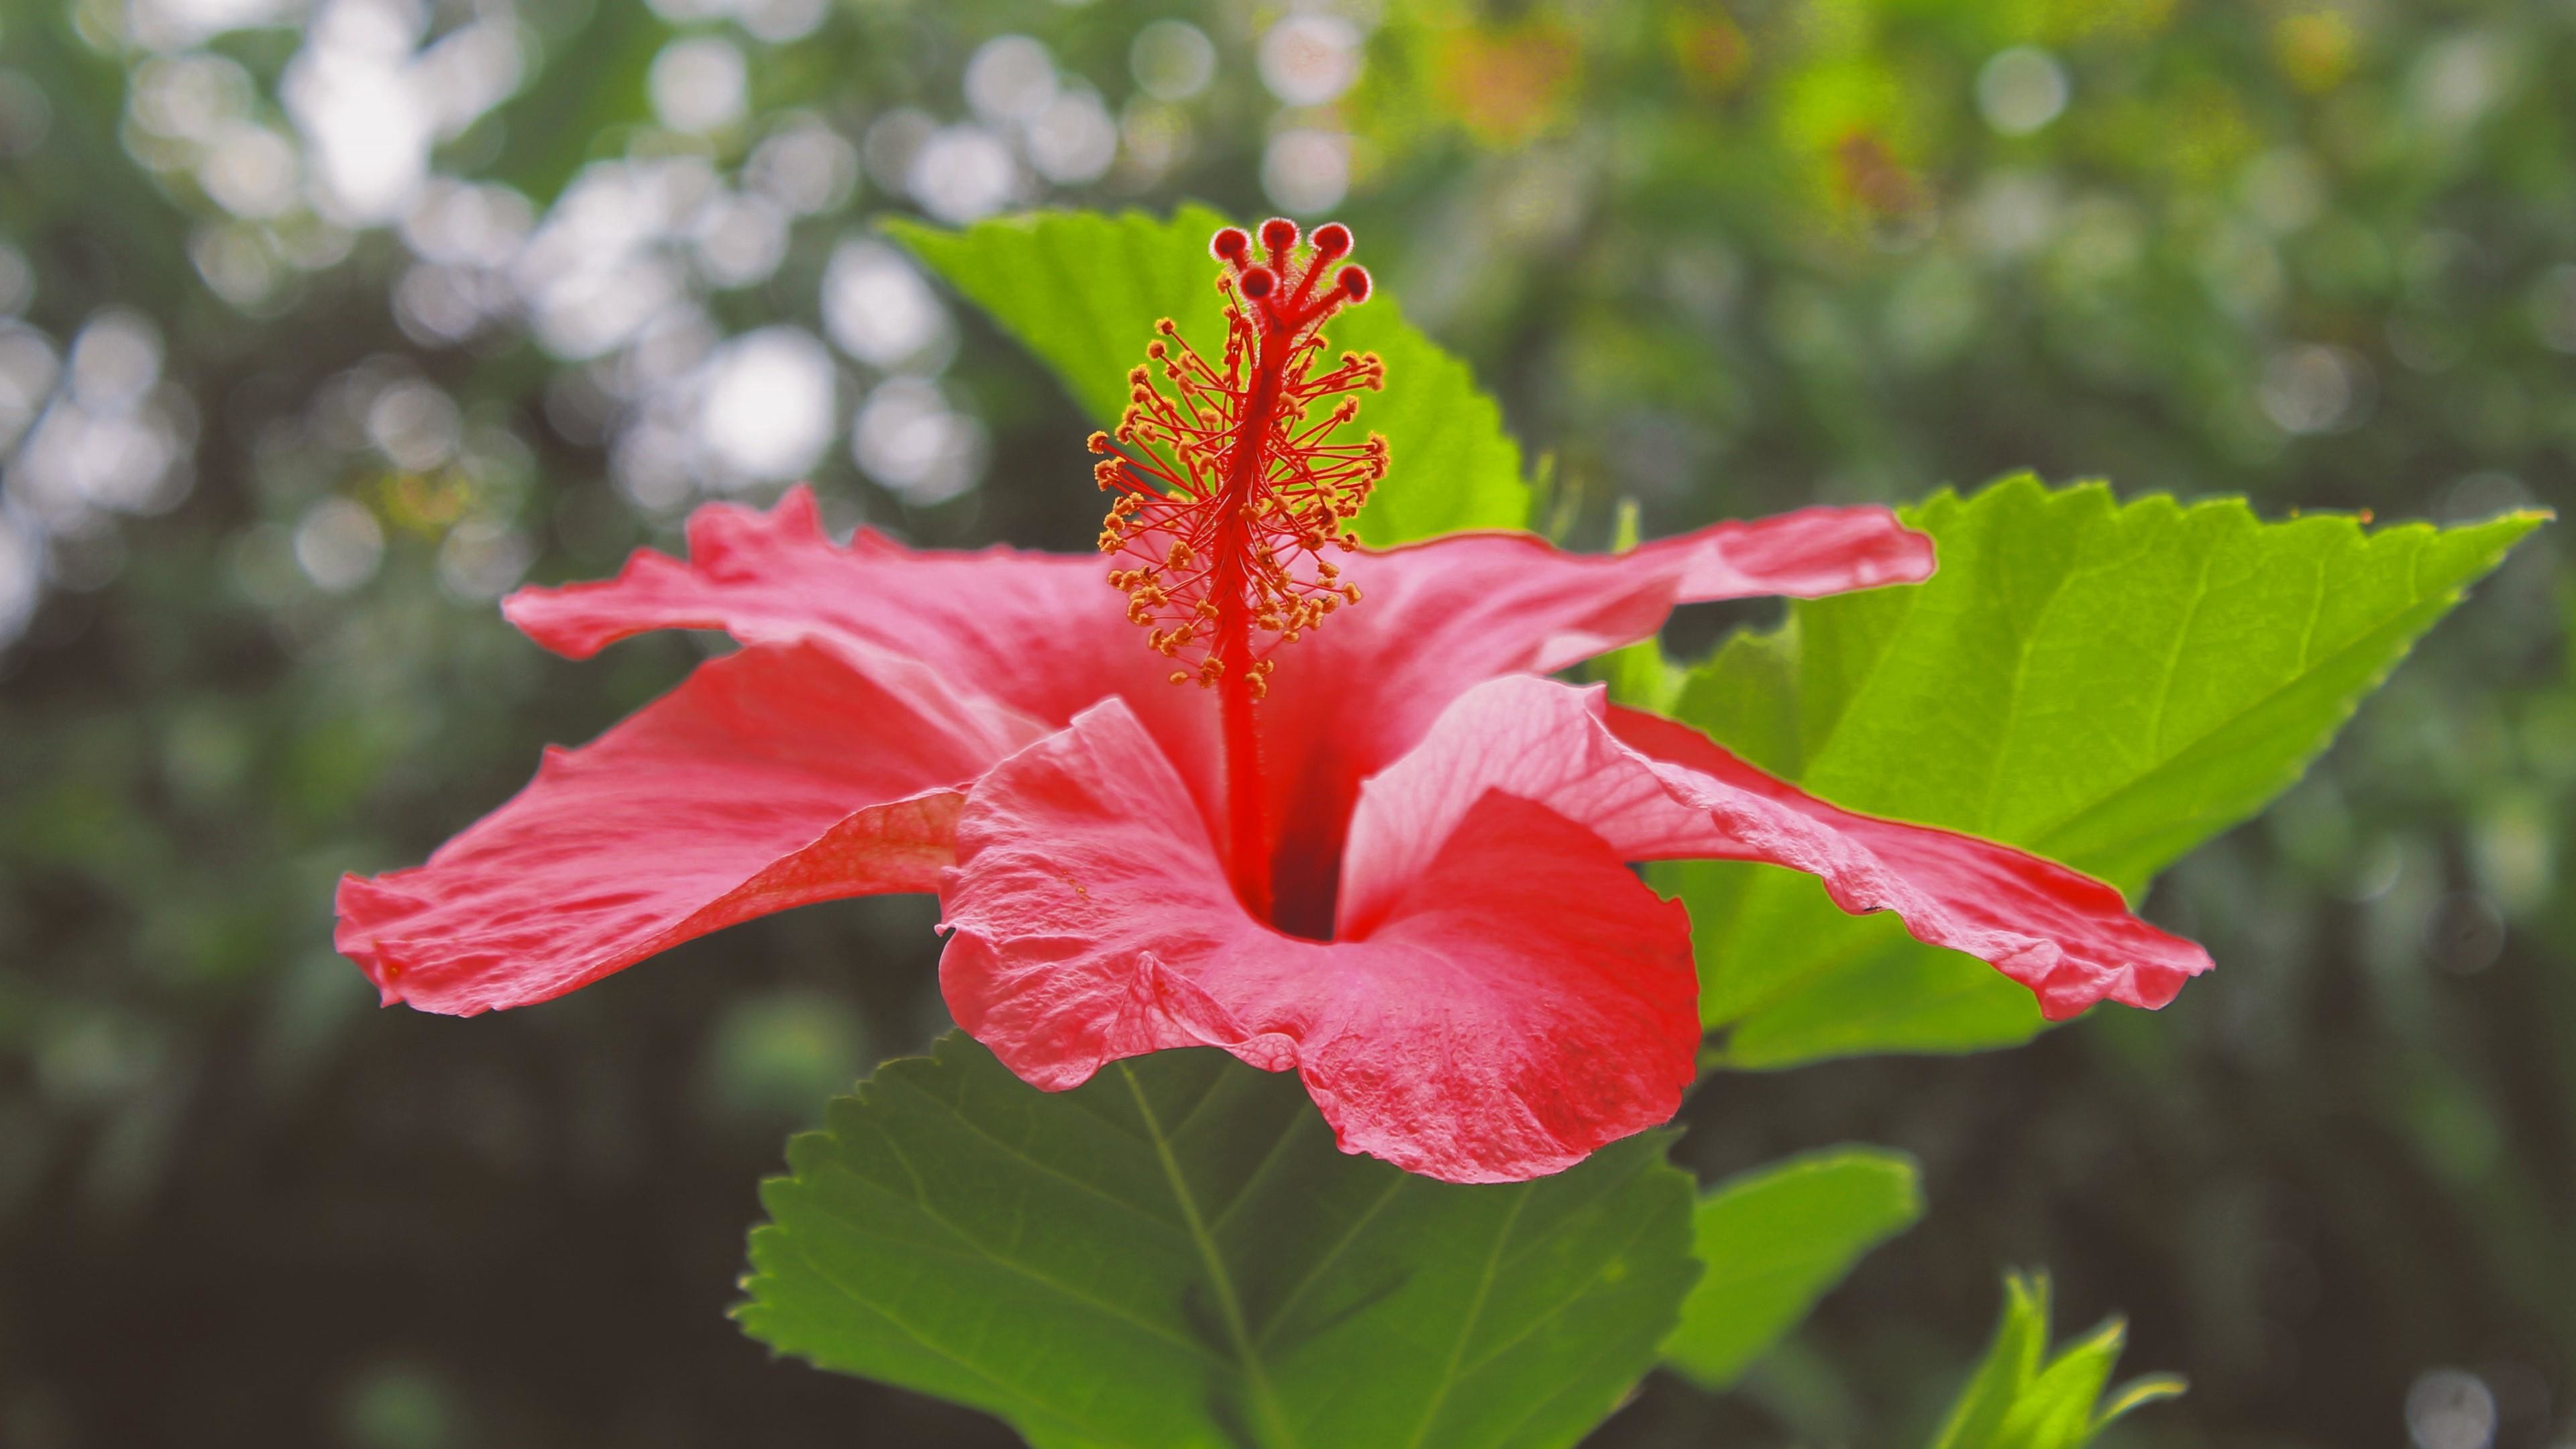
(1467, 1324)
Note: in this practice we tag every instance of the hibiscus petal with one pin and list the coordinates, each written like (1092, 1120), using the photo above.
(1500, 603)
(1038, 633)
(1656, 790)
(1437, 618)
(1527, 1001)
(773, 777)
(1806, 554)
(1042, 633)
(1021, 625)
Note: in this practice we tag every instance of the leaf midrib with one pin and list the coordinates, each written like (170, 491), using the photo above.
(2076, 814)
(2182, 644)
(1886, 647)
(1315, 1272)
(1265, 1399)
(975, 1250)
(1467, 1324)
(1637, 1231)
(2359, 643)
(1003, 1388)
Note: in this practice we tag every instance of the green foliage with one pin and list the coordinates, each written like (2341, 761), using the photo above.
(1773, 1241)
(2105, 684)
(1176, 1254)
(2022, 1398)
(1084, 291)
(2313, 254)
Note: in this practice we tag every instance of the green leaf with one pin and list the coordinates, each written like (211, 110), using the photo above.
(1775, 1240)
(2105, 684)
(1083, 291)
(2019, 1398)
(1176, 1254)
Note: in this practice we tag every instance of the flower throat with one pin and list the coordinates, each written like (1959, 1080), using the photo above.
(1230, 491)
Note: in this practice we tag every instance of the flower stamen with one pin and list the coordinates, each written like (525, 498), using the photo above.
(1230, 489)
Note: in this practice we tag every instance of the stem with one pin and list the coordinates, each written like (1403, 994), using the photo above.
(1248, 844)
(1230, 585)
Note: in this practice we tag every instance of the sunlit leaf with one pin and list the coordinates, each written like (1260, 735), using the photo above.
(1175, 1254)
(2105, 684)
(2021, 1398)
(1775, 1240)
(1083, 292)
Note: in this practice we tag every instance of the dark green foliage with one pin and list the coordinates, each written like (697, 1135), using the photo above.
(1176, 1254)
(1773, 1241)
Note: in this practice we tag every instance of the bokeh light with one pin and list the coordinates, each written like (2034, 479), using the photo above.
(766, 406)
(1172, 60)
(911, 441)
(2449, 1409)
(962, 174)
(1305, 172)
(699, 84)
(881, 311)
(1310, 58)
(2021, 90)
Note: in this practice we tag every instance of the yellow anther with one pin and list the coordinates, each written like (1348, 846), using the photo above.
(1232, 543)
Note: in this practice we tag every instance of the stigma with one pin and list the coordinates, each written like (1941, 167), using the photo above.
(1232, 481)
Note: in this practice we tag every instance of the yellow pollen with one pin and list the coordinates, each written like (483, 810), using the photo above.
(1212, 543)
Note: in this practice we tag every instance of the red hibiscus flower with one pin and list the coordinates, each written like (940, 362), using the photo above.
(1375, 843)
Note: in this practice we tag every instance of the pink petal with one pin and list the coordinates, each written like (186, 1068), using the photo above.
(1503, 603)
(1045, 635)
(1437, 618)
(1024, 627)
(773, 777)
(1656, 790)
(1807, 554)
(1525, 1002)
(1042, 633)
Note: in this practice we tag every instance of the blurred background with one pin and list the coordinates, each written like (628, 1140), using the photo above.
(325, 322)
